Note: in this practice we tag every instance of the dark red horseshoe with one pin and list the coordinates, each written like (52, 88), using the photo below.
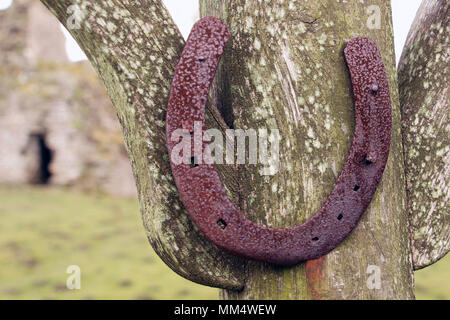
(201, 190)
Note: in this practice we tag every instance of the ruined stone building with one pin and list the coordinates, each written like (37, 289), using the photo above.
(57, 125)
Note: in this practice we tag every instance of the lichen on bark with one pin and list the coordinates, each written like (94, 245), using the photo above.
(425, 101)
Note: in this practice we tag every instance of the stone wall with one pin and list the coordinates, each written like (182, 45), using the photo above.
(54, 114)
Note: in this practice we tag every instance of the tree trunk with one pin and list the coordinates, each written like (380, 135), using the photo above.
(284, 69)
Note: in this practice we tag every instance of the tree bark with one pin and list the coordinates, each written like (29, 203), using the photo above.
(425, 101)
(284, 69)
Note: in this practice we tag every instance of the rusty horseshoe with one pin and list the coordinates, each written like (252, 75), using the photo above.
(203, 194)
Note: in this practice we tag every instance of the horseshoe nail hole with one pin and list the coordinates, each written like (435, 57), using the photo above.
(365, 161)
(356, 187)
(315, 239)
(194, 162)
(339, 217)
(201, 59)
(221, 223)
(374, 89)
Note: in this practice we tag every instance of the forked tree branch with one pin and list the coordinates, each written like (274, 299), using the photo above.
(134, 46)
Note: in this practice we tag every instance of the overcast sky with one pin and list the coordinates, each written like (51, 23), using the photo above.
(185, 13)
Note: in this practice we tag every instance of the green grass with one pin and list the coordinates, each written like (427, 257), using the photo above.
(433, 282)
(44, 230)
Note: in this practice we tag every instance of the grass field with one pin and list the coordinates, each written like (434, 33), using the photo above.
(44, 230)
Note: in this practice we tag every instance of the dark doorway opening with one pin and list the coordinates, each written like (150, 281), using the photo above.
(44, 158)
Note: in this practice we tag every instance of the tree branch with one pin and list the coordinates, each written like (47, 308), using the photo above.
(425, 101)
(134, 46)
